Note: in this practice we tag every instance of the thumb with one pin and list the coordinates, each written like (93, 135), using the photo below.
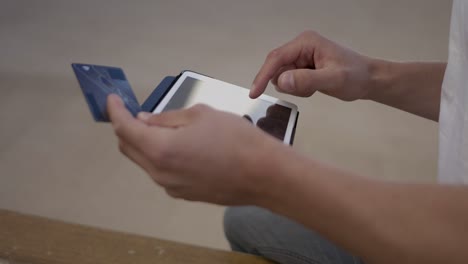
(174, 118)
(170, 119)
(305, 82)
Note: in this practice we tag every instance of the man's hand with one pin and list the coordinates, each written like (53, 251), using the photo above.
(197, 154)
(311, 63)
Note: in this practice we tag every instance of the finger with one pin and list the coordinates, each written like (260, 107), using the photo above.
(143, 116)
(126, 127)
(170, 119)
(305, 82)
(176, 194)
(137, 157)
(173, 119)
(183, 193)
(274, 80)
(140, 159)
(283, 56)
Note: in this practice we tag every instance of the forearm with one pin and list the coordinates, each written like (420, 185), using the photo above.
(413, 87)
(379, 221)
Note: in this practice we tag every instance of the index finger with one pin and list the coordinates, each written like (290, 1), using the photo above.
(126, 127)
(276, 59)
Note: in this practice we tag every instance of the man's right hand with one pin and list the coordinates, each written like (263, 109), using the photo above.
(311, 63)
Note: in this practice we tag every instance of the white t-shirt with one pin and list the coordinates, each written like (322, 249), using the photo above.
(453, 120)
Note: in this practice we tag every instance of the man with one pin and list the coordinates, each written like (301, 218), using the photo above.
(354, 219)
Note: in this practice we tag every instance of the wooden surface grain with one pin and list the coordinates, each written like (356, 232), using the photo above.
(37, 240)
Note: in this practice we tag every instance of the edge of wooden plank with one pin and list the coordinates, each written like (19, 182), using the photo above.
(37, 240)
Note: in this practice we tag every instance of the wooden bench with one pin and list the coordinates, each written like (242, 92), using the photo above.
(37, 240)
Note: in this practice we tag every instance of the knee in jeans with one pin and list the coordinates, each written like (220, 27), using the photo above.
(242, 225)
(237, 223)
(233, 218)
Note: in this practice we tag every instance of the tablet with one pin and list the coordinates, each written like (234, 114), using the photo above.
(274, 116)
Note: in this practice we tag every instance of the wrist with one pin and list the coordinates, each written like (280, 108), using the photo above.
(381, 74)
(278, 169)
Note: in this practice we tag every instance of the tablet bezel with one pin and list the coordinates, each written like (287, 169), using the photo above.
(288, 138)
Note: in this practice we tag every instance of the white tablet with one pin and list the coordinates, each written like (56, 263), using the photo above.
(274, 116)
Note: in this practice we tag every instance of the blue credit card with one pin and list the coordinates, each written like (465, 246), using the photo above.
(97, 82)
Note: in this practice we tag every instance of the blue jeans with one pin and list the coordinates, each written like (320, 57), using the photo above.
(258, 231)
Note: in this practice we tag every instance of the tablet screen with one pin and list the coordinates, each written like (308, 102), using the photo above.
(271, 117)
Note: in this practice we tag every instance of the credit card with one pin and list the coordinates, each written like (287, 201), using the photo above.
(97, 82)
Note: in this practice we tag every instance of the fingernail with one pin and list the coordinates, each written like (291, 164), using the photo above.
(286, 82)
(114, 99)
(144, 116)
